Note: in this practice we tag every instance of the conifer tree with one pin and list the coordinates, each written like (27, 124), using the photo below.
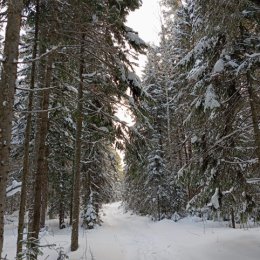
(7, 87)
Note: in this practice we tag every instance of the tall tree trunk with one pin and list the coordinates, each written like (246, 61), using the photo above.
(7, 90)
(179, 149)
(77, 157)
(61, 204)
(71, 206)
(233, 222)
(190, 148)
(39, 174)
(169, 131)
(71, 198)
(41, 79)
(26, 163)
(45, 185)
(253, 101)
(61, 215)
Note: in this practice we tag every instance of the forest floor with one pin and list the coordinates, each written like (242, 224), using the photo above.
(125, 236)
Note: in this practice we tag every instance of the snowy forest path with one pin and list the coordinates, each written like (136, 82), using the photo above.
(126, 236)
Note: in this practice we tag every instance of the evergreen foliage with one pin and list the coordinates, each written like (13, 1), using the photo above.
(203, 111)
(194, 147)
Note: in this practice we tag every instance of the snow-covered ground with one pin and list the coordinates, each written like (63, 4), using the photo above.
(125, 236)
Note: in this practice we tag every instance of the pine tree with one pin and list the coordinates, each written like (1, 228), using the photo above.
(27, 138)
(7, 86)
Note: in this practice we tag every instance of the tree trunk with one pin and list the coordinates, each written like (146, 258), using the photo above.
(254, 113)
(61, 204)
(233, 223)
(26, 163)
(76, 180)
(190, 148)
(71, 198)
(71, 206)
(45, 185)
(179, 149)
(41, 79)
(39, 174)
(61, 215)
(169, 130)
(7, 90)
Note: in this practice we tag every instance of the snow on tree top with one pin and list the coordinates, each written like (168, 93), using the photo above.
(210, 99)
(203, 45)
(219, 66)
(196, 72)
(214, 202)
(194, 139)
(133, 36)
(133, 78)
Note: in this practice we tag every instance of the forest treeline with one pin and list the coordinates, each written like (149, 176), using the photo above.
(194, 147)
(200, 149)
(65, 70)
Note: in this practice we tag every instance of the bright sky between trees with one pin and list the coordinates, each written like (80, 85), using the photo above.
(147, 22)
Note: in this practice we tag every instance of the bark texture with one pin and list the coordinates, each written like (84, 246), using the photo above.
(77, 157)
(7, 90)
(40, 166)
(26, 156)
(254, 113)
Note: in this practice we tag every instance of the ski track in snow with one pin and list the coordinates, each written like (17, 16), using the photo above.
(125, 236)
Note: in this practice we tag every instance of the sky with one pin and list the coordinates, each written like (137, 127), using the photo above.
(147, 22)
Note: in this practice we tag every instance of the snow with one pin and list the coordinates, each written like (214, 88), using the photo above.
(104, 129)
(196, 72)
(94, 18)
(233, 64)
(253, 181)
(133, 78)
(13, 188)
(194, 139)
(228, 191)
(214, 202)
(210, 98)
(203, 45)
(125, 236)
(253, 55)
(219, 66)
(133, 36)
(175, 217)
(89, 75)
(248, 62)
(122, 70)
